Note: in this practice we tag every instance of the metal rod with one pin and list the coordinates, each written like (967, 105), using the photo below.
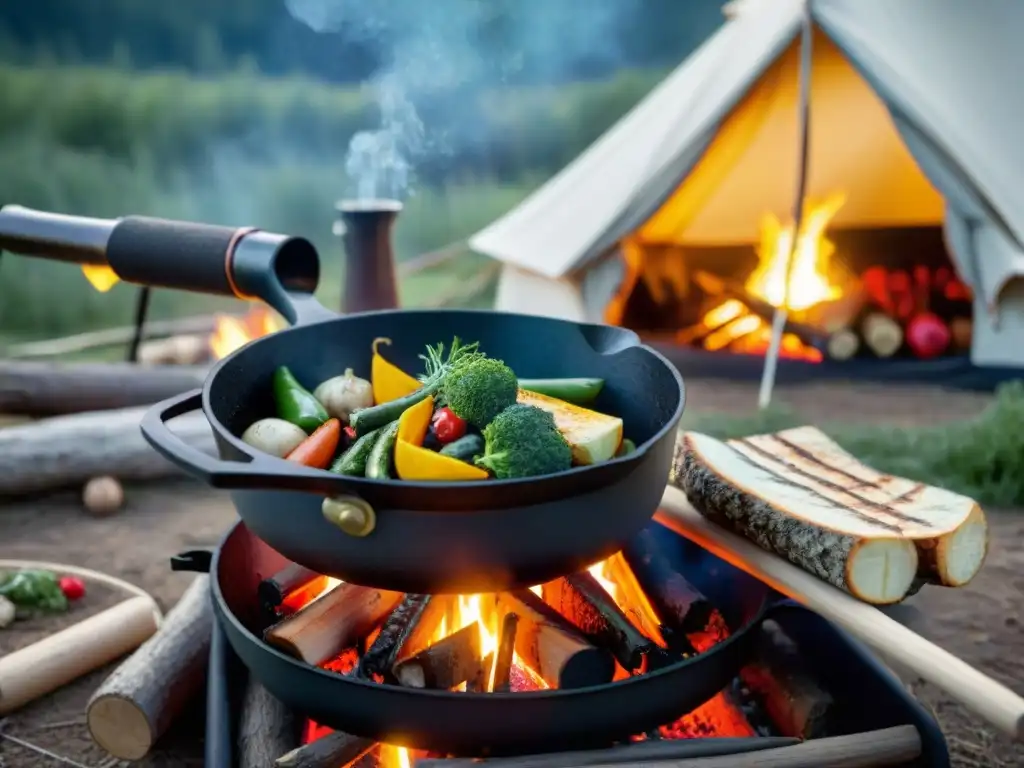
(141, 310)
(771, 359)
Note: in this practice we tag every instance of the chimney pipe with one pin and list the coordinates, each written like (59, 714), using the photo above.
(369, 258)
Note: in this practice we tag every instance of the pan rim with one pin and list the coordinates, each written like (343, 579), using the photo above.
(345, 483)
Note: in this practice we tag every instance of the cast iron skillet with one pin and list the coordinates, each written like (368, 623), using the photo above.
(480, 536)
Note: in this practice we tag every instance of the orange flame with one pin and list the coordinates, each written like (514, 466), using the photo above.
(231, 333)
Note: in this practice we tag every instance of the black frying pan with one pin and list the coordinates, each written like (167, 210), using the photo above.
(430, 537)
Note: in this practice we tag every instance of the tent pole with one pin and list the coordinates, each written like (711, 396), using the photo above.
(771, 359)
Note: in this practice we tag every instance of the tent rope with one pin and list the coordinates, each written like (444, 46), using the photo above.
(771, 359)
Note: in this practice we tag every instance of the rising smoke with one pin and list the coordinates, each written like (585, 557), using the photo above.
(441, 52)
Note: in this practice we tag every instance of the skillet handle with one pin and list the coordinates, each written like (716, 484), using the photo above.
(260, 473)
(245, 263)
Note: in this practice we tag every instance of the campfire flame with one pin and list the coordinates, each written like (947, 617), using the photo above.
(231, 333)
(808, 277)
(100, 276)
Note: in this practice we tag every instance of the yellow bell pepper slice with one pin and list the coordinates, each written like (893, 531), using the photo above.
(413, 462)
(389, 382)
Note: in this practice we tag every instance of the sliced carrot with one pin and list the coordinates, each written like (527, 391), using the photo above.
(318, 449)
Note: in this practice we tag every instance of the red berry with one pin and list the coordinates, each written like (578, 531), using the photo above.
(73, 588)
(448, 426)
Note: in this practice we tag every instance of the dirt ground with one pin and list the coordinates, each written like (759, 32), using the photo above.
(981, 623)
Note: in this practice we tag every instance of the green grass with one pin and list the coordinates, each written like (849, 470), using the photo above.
(982, 458)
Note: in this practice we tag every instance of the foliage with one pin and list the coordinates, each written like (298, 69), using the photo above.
(982, 458)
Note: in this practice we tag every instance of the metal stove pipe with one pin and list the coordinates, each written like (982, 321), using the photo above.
(369, 258)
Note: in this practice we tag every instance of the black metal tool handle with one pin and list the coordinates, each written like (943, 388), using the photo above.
(260, 473)
(281, 270)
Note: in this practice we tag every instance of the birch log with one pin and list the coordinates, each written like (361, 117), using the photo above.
(798, 494)
(67, 451)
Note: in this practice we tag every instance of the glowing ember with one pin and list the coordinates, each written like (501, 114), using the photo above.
(101, 277)
(231, 333)
(808, 283)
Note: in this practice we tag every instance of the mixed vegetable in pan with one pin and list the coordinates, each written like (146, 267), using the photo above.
(467, 417)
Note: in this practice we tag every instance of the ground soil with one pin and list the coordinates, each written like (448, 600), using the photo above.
(981, 623)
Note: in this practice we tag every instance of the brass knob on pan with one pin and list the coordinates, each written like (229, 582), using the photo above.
(351, 514)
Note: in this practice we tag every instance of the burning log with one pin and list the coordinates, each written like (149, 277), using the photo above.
(54, 389)
(479, 682)
(882, 334)
(445, 664)
(335, 750)
(798, 494)
(400, 629)
(332, 623)
(552, 646)
(581, 599)
(680, 606)
(290, 589)
(68, 451)
(794, 701)
(267, 730)
(139, 701)
(505, 653)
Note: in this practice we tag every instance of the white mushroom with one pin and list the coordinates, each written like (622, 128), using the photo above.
(274, 436)
(344, 394)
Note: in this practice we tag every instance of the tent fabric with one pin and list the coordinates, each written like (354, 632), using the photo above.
(941, 68)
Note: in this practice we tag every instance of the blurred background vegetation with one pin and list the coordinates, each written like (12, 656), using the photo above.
(236, 112)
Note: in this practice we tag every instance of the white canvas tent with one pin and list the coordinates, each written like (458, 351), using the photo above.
(914, 113)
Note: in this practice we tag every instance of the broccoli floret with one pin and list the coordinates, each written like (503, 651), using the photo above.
(479, 390)
(522, 441)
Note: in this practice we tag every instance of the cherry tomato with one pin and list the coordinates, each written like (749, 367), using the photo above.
(448, 426)
(73, 588)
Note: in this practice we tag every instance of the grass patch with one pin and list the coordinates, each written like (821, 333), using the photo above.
(982, 457)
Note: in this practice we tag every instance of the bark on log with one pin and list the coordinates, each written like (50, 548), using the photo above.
(798, 494)
(139, 701)
(68, 451)
(109, 337)
(54, 389)
(792, 698)
(267, 730)
(448, 662)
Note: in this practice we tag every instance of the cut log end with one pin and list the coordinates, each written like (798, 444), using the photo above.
(843, 345)
(121, 727)
(881, 571)
(955, 559)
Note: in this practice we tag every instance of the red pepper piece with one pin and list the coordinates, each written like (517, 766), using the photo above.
(447, 426)
(72, 587)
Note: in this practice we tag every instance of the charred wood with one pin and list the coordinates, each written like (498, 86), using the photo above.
(448, 662)
(335, 750)
(400, 626)
(552, 646)
(581, 599)
(332, 623)
(680, 606)
(267, 730)
(295, 581)
(505, 653)
(54, 389)
(139, 701)
(791, 697)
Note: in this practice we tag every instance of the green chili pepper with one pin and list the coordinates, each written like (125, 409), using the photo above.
(295, 403)
(33, 589)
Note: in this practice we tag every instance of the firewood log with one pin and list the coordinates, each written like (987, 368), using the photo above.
(139, 701)
(842, 345)
(176, 350)
(797, 705)
(290, 589)
(267, 729)
(332, 623)
(335, 750)
(798, 494)
(55, 389)
(448, 662)
(882, 334)
(581, 599)
(552, 646)
(505, 655)
(67, 451)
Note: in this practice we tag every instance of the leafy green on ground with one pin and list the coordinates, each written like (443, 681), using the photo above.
(982, 457)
